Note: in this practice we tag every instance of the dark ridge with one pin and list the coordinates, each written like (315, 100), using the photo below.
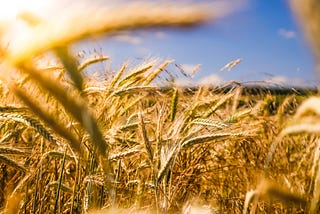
(256, 90)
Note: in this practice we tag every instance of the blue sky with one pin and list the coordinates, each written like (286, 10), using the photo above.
(263, 33)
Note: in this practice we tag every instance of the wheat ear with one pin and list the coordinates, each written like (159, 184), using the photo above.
(155, 73)
(12, 163)
(174, 104)
(32, 123)
(207, 138)
(91, 61)
(13, 151)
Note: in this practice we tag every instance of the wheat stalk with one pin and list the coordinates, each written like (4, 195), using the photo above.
(315, 174)
(13, 151)
(207, 138)
(70, 64)
(116, 78)
(209, 122)
(49, 120)
(59, 183)
(61, 186)
(305, 125)
(155, 73)
(308, 13)
(12, 163)
(135, 89)
(271, 191)
(167, 163)
(238, 115)
(125, 154)
(218, 104)
(57, 154)
(132, 76)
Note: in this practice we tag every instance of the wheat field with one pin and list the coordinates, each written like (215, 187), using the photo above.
(133, 143)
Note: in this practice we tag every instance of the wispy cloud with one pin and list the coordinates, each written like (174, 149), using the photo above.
(287, 34)
(286, 81)
(160, 35)
(128, 38)
(212, 79)
(183, 82)
(278, 80)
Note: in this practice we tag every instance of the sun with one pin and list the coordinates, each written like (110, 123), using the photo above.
(9, 10)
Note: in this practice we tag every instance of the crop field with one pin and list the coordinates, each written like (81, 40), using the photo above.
(134, 142)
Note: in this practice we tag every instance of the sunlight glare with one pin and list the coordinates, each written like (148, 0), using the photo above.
(18, 17)
(9, 10)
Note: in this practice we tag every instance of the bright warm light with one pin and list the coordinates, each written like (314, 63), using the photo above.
(9, 9)
(19, 17)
